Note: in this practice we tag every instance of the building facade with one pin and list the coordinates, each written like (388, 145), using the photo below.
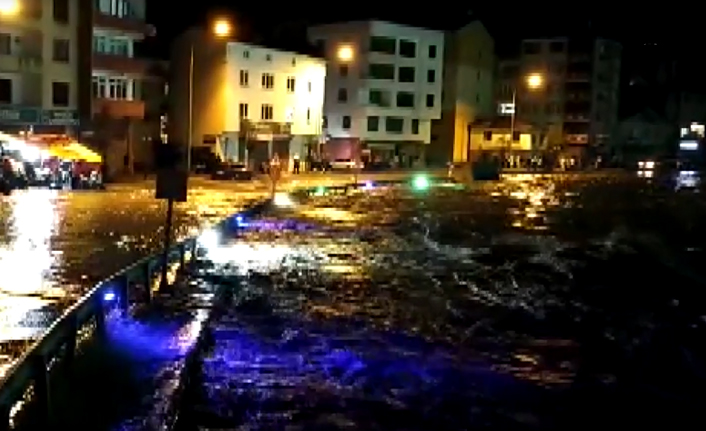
(383, 89)
(579, 92)
(469, 68)
(112, 107)
(38, 62)
(249, 102)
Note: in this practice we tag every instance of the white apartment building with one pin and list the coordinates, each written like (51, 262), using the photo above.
(250, 102)
(38, 63)
(383, 89)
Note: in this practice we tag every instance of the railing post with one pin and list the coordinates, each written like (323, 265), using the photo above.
(41, 386)
(147, 274)
(71, 340)
(5, 417)
(124, 291)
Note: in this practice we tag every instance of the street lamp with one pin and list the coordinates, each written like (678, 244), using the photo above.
(9, 7)
(221, 29)
(534, 81)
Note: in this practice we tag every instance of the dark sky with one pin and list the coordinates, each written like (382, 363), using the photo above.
(507, 22)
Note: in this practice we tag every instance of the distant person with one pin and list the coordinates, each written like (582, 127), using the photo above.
(297, 164)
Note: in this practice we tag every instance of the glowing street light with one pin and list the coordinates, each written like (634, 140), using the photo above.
(534, 81)
(9, 7)
(221, 28)
(420, 182)
(345, 53)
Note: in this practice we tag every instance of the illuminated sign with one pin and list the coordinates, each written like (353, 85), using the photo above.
(507, 108)
(689, 145)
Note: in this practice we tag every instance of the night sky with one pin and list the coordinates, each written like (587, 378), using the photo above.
(281, 23)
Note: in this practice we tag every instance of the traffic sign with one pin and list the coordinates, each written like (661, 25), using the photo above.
(172, 184)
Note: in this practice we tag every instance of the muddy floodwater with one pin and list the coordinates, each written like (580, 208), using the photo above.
(538, 302)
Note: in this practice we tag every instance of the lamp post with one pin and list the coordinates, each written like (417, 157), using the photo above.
(345, 55)
(9, 7)
(221, 29)
(534, 81)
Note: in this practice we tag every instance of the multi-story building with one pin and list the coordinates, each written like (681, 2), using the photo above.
(469, 66)
(38, 61)
(579, 91)
(248, 103)
(383, 89)
(112, 107)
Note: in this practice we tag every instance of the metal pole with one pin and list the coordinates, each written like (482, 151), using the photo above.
(167, 243)
(512, 117)
(189, 141)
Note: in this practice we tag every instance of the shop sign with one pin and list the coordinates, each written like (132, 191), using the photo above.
(60, 117)
(36, 116)
(12, 115)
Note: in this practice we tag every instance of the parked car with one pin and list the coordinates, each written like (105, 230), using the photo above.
(345, 164)
(232, 171)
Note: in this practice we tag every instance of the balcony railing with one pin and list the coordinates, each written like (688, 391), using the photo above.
(265, 129)
(119, 63)
(119, 108)
(126, 24)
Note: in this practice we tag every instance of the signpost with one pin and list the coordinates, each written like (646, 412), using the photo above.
(172, 185)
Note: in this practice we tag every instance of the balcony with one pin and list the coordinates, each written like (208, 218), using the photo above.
(119, 108)
(265, 130)
(21, 63)
(118, 63)
(128, 25)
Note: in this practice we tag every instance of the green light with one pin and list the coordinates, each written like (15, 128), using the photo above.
(421, 183)
(320, 191)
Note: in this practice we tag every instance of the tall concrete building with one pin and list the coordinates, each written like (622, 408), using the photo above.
(39, 54)
(576, 106)
(249, 102)
(383, 89)
(469, 69)
(113, 107)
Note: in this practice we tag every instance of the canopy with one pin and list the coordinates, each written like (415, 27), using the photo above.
(74, 151)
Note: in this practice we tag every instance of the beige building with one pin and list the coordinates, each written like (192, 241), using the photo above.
(38, 65)
(469, 62)
(493, 136)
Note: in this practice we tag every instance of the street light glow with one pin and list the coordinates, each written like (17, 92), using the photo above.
(221, 28)
(535, 81)
(9, 7)
(345, 53)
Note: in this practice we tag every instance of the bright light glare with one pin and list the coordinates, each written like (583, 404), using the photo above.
(109, 296)
(221, 28)
(209, 239)
(283, 200)
(421, 182)
(368, 185)
(320, 191)
(9, 7)
(535, 80)
(345, 53)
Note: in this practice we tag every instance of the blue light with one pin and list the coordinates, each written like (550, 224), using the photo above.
(368, 185)
(109, 296)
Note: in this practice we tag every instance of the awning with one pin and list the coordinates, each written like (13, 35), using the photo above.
(74, 151)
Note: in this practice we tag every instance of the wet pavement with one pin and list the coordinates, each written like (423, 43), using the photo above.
(541, 302)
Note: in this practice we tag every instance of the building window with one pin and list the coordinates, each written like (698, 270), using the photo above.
(5, 90)
(373, 124)
(324, 122)
(431, 76)
(266, 112)
(343, 70)
(415, 127)
(268, 57)
(383, 45)
(308, 116)
(268, 81)
(246, 54)
(112, 46)
(346, 122)
(487, 136)
(394, 124)
(379, 98)
(294, 61)
(430, 100)
(515, 136)
(408, 49)
(405, 74)
(119, 8)
(61, 11)
(342, 95)
(405, 99)
(432, 51)
(61, 48)
(243, 110)
(308, 85)
(60, 93)
(244, 78)
(290, 84)
(5, 44)
(381, 71)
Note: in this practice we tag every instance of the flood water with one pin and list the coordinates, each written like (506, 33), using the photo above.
(560, 302)
(56, 245)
